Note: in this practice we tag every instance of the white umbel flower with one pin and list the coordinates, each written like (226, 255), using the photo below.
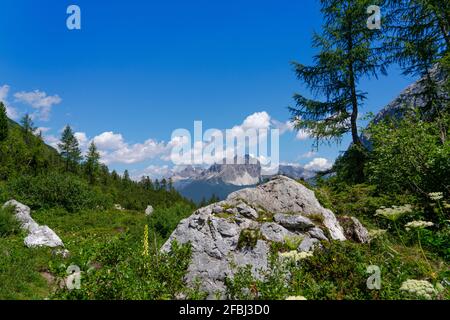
(436, 196)
(295, 255)
(418, 225)
(394, 213)
(296, 298)
(420, 288)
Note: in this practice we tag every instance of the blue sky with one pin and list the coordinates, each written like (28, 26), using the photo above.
(137, 70)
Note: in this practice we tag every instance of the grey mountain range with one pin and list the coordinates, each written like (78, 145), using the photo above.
(222, 179)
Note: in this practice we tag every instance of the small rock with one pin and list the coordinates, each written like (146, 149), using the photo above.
(118, 207)
(317, 233)
(43, 236)
(308, 244)
(231, 211)
(217, 209)
(354, 230)
(274, 232)
(247, 211)
(149, 211)
(63, 253)
(38, 236)
(293, 222)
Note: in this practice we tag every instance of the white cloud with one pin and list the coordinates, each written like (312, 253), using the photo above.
(10, 111)
(318, 164)
(51, 140)
(287, 126)
(123, 152)
(154, 172)
(257, 120)
(82, 140)
(40, 101)
(308, 154)
(109, 141)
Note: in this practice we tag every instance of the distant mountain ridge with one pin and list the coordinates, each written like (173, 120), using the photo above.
(221, 179)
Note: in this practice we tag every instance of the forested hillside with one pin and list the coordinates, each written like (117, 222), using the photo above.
(37, 174)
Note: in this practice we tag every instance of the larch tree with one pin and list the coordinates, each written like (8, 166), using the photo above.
(92, 164)
(347, 53)
(4, 123)
(69, 148)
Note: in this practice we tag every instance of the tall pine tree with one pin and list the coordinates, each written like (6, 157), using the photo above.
(347, 53)
(4, 123)
(28, 128)
(69, 148)
(92, 164)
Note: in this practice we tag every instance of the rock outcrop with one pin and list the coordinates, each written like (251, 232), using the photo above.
(38, 236)
(238, 231)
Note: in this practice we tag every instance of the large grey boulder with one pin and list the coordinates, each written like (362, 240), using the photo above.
(284, 195)
(216, 232)
(38, 236)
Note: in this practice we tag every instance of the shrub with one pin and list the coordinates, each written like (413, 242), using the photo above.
(164, 220)
(410, 155)
(9, 225)
(57, 190)
(124, 273)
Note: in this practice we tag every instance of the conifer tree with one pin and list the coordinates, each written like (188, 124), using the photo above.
(92, 164)
(126, 176)
(28, 128)
(69, 148)
(4, 125)
(347, 53)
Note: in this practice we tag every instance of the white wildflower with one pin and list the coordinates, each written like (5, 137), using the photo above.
(418, 225)
(394, 213)
(373, 234)
(420, 288)
(436, 196)
(295, 255)
(296, 298)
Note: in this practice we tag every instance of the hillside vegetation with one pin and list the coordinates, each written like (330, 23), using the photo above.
(398, 186)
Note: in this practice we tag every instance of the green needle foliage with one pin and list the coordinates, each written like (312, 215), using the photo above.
(347, 53)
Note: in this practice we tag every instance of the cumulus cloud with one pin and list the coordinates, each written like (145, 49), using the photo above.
(51, 140)
(83, 140)
(257, 120)
(308, 154)
(154, 172)
(10, 111)
(109, 141)
(284, 127)
(136, 153)
(319, 164)
(39, 101)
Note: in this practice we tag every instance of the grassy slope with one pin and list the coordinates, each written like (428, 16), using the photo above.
(22, 269)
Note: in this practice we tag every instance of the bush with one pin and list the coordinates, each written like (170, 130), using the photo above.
(164, 220)
(124, 273)
(337, 271)
(410, 155)
(9, 225)
(57, 190)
